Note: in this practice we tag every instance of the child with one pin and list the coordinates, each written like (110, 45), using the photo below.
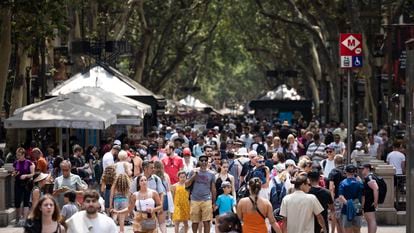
(70, 207)
(119, 198)
(228, 223)
(181, 203)
(225, 202)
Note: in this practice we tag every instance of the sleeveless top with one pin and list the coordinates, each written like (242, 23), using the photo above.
(219, 181)
(142, 204)
(120, 168)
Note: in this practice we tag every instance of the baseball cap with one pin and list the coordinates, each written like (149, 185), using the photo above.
(330, 147)
(358, 144)
(116, 147)
(279, 167)
(117, 142)
(187, 151)
(314, 174)
(350, 168)
(225, 184)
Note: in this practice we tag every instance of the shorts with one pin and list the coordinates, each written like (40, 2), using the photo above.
(120, 202)
(369, 207)
(201, 211)
(338, 208)
(355, 222)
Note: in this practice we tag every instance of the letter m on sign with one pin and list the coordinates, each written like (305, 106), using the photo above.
(350, 44)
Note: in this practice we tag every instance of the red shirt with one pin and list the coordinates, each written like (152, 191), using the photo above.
(172, 165)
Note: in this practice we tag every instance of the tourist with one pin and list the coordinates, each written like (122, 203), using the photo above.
(228, 223)
(108, 179)
(371, 193)
(165, 181)
(254, 210)
(70, 208)
(172, 163)
(90, 220)
(109, 157)
(119, 198)
(44, 217)
(225, 202)
(181, 203)
(123, 166)
(38, 188)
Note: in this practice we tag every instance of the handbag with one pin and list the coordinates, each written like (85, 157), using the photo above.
(147, 222)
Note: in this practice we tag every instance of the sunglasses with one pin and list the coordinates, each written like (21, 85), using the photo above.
(203, 160)
(217, 159)
(261, 161)
(329, 151)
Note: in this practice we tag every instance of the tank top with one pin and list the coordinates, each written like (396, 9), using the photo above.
(120, 168)
(218, 184)
(143, 204)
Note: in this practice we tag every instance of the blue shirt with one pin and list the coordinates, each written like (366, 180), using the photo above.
(225, 203)
(351, 188)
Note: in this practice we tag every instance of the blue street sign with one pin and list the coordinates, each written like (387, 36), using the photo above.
(356, 61)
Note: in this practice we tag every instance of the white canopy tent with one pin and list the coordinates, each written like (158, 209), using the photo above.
(195, 103)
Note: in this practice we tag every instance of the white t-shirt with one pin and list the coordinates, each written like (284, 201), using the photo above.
(107, 160)
(329, 165)
(300, 208)
(373, 149)
(395, 158)
(79, 222)
(338, 147)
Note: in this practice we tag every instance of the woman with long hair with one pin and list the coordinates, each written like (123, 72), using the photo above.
(44, 217)
(119, 198)
(222, 176)
(165, 181)
(108, 179)
(254, 210)
(39, 181)
(24, 171)
(146, 203)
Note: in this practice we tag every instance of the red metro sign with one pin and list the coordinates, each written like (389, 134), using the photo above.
(350, 44)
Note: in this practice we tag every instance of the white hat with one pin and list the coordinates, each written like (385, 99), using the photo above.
(358, 144)
(117, 142)
(216, 128)
(242, 152)
(280, 167)
(290, 162)
(40, 177)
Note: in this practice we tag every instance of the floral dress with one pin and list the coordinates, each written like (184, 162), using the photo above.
(181, 204)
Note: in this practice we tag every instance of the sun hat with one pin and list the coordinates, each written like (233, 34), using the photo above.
(40, 177)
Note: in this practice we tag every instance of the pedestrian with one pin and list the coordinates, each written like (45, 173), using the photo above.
(397, 159)
(165, 181)
(189, 161)
(38, 187)
(67, 181)
(119, 198)
(90, 220)
(41, 163)
(228, 223)
(203, 193)
(108, 179)
(172, 163)
(225, 202)
(300, 208)
(334, 178)
(44, 217)
(222, 176)
(324, 197)
(350, 194)
(23, 172)
(146, 203)
(254, 210)
(316, 150)
(371, 193)
(328, 164)
(70, 208)
(181, 202)
(109, 157)
(123, 166)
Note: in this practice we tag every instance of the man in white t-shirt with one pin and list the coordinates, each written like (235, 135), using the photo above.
(109, 157)
(328, 164)
(397, 159)
(300, 208)
(89, 220)
(338, 145)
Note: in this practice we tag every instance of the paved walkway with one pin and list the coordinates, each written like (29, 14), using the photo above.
(381, 229)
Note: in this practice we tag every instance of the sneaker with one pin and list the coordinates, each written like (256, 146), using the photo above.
(169, 223)
(21, 223)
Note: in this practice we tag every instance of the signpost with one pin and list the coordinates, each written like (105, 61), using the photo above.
(350, 52)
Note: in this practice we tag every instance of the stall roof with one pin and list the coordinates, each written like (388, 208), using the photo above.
(107, 78)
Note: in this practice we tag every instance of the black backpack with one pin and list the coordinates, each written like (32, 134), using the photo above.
(382, 188)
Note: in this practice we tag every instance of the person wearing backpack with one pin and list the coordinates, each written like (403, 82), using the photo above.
(371, 191)
(262, 172)
(335, 177)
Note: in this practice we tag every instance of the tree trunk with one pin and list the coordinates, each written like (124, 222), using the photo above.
(6, 47)
(312, 85)
(19, 92)
(141, 55)
(74, 35)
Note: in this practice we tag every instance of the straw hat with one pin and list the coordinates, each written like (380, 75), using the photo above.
(40, 177)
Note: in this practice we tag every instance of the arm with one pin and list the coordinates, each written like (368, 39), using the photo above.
(31, 174)
(321, 222)
(233, 189)
(190, 181)
(111, 197)
(91, 167)
(103, 186)
(272, 219)
(284, 229)
(374, 186)
(128, 169)
(403, 166)
(35, 196)
(239, 210)
(167, 178)
(158, 203)
(213, 191)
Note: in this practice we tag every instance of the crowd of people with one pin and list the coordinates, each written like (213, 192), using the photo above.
(235, 176)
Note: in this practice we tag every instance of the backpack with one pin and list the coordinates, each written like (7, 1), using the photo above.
(260, 173)
(261, 149)
(382, 188)
(277, 193)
